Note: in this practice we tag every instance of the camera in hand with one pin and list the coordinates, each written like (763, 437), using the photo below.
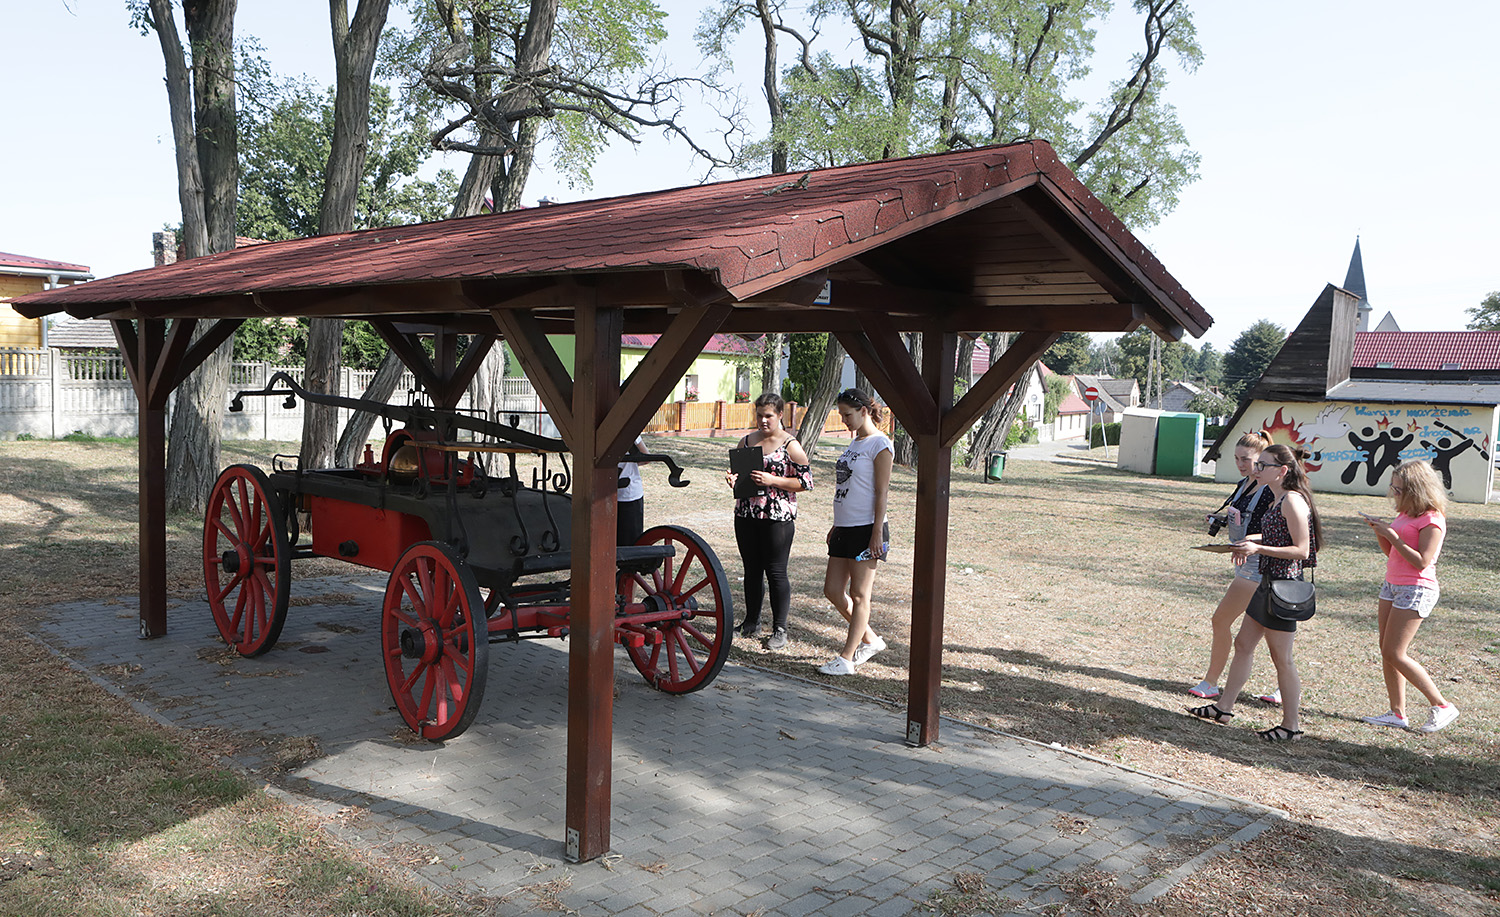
(1216, 522)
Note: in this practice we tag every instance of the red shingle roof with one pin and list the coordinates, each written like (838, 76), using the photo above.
(30, 264)
(1471, 351)
(753, 234)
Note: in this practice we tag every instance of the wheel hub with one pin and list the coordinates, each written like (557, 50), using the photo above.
(231, 561)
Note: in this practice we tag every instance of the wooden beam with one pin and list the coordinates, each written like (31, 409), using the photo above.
(929, 560)
(479, 348)
(988, 388)
(205, 345)
(654, 376)
(410, 353)
(542, 366)
(151, 474)
(129, 344)
(906, 395)
(168, 372)
(591, 644)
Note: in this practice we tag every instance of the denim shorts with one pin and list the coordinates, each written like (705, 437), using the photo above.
(1421, 599)
(1250, 569)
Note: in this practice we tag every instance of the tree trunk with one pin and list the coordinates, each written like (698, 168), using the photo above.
(903, 447)
(202, 106)
(357, 430)
(487, 391)
(354, 45)
(770, 75)
(825, 395)
(770, 362)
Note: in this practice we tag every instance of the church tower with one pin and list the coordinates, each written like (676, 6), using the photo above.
(1354, 282)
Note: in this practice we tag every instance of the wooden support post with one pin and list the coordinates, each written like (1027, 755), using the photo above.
(151, 471)
(591, 679)
(930, 548)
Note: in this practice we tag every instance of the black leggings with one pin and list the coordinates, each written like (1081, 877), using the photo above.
(765, 545)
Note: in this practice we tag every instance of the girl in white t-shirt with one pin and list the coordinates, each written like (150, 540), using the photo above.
(860, 535)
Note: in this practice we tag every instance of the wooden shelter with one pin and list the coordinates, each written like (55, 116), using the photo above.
(996, 239)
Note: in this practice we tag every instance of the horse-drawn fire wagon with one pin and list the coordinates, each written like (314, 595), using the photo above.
(476, 556)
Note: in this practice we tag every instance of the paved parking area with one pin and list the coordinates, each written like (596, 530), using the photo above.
(761, 794)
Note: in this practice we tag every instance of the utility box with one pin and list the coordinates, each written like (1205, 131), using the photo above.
(1138, 440)
(1179, 441)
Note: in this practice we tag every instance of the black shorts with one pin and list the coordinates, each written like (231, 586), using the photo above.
(849, 541)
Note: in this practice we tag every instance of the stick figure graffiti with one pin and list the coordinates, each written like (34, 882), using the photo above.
(1382, 451)
(1445, 451)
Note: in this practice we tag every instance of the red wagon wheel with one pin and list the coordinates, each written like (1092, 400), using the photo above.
(434, 640)
(692, 648)
(246, 560)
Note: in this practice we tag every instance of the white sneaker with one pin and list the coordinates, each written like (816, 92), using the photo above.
(1205, 690)
(1389, 718)
(838, 665)
(1438, 717)
(1274, 698)
(864, 651)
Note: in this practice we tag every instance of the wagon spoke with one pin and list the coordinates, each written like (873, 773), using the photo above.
(692, 629)
(229, 587)
(688, 656)
(694, 591)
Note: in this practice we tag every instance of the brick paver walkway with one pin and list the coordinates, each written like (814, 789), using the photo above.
(761, 794)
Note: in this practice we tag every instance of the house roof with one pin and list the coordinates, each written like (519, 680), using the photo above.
(25, 264)
(77, 333)
(998, 238)
(1115, 393)
(1432, 351)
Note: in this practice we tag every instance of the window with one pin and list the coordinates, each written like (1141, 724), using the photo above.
(1451, 366)
(690, 387)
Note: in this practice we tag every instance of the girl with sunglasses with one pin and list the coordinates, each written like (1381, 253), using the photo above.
(1289, 540)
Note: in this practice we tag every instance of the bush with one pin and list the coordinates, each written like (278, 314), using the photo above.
(1022, 431)
(1098, 431)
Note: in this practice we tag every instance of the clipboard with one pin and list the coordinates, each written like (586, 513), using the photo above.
(1214, 548)
(743, 461)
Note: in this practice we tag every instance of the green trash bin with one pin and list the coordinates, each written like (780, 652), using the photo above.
(995, 466)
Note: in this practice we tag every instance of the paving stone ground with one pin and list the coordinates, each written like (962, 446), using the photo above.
(761, 794)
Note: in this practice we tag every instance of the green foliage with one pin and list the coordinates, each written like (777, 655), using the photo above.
(271, 340)
(285, 137)
(937, 76)
(283, 342)
(1486, 315)
(596, 46)
(1099, 432)
(1248, 358)
(804, 365)
(1211, 405)
(1210, 368)
(1070, 354)
(1135, 358)
(1022, 431)
(1058, 388)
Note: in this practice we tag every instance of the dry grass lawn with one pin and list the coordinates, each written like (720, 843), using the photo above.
(1076, 614)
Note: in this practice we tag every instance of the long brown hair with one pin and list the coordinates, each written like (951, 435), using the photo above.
(1296, 480)
(858, 399)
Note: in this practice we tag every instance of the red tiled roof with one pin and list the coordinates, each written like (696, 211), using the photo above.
(719, 343)
(753, 234)
(39, 264)
(1427, 350)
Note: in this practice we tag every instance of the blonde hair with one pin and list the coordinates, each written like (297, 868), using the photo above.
(1255, 439)
(1421, 489)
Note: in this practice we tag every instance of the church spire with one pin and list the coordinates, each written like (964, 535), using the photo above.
(1354, 282)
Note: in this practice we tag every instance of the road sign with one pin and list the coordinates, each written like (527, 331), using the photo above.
(1091, 393)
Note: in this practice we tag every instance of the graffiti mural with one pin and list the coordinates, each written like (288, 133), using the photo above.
(1354, 446)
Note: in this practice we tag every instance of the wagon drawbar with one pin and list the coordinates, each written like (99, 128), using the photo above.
(474, 556)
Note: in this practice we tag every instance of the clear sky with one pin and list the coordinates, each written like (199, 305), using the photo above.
(1317, 120)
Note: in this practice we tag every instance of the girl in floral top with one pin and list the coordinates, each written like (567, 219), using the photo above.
(765, 524)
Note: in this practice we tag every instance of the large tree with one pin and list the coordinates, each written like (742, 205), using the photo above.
(201, 100)
(1486, 315)
(355, 42)
(1248, 358)
(939, 75)
(1071, 353)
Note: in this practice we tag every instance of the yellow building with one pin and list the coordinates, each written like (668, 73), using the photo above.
(20, 275)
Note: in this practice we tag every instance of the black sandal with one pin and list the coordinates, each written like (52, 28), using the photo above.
(1280, 734)
(1210, 712)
